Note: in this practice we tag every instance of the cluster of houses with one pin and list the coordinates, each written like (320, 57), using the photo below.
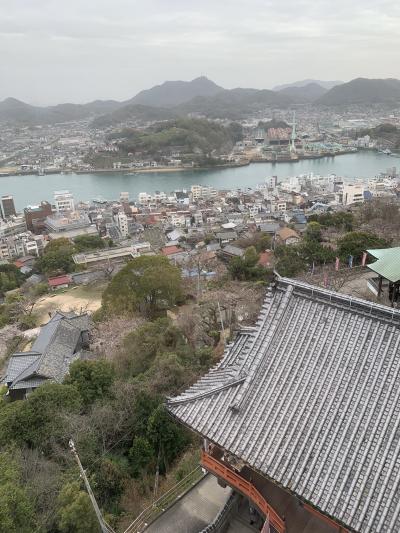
(179, 224)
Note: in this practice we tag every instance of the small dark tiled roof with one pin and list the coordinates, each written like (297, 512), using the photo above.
(51, 354)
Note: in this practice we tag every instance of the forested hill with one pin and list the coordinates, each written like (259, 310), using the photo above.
(194, 136)
(363, 91)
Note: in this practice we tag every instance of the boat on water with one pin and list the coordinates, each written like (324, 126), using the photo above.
(99, 200)
(386, 152)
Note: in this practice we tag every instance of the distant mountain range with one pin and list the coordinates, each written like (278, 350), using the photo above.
(304, 93)
(232, 104)
(13, 110)
(325, 84)
(202, 96)
(174, 93)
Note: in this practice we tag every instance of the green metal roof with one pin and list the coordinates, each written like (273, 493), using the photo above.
(387, 264)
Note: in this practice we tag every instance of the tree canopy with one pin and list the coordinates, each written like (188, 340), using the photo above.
(88, 242)
(10, 278)
(16, 509)
(75, 511)
(247, 267)
(37, 419)
(57, 257)
(147, 284)
(342, 220)
(356, 242)
(93, 379)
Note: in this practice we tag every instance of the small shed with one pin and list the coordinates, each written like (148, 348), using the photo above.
(59, 282)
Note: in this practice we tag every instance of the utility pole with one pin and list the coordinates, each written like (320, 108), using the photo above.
(103, 526)
(222, 322)
(157, 477)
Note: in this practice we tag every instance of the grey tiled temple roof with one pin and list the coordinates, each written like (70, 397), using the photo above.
(51, 354)
(311, 399)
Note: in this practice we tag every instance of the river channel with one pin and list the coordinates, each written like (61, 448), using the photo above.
(31, 189)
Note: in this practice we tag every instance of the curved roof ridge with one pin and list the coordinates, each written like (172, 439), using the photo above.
(346, 301)
(203, 394)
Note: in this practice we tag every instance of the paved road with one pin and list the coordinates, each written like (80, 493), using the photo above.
(195, 510)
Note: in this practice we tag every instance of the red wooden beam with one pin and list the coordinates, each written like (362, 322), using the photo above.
(236, 481)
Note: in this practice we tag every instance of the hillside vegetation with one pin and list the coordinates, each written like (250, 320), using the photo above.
(189, 136)
(384, 133)
(363, 91)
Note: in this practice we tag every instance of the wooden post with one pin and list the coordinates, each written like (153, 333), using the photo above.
(379, 287)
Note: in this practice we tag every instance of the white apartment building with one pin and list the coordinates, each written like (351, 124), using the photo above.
(122, 222)
(179, 220)
(64, 201)
(144, 198)
(124, 197)
(20, 245)
(158, 197)
(200, 191)
(253, 211)
(197, 218)
(278, 206)
(353, 193)
(12, 227)
(271, 182)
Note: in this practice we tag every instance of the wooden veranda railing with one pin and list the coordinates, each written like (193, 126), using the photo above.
(236, 481)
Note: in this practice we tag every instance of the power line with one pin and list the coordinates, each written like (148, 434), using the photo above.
(105, 528)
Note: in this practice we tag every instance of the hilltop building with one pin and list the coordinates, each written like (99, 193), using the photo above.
(301, 415)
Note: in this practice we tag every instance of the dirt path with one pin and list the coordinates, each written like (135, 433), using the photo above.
(79, 299)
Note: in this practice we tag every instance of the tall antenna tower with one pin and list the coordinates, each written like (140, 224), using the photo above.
(293, 136)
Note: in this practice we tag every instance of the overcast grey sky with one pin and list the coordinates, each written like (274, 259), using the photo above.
(78, 50)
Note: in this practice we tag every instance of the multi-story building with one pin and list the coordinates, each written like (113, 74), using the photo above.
(353, 193)
(35, 216)
(8, 207)
(122, 222)
(144, 198)
(278, 206)
(118, 254)
(179, 219)
(200, 191)
(158, 197)
(20, 245)
(64, 201)
(70, 226)
(12, 227)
